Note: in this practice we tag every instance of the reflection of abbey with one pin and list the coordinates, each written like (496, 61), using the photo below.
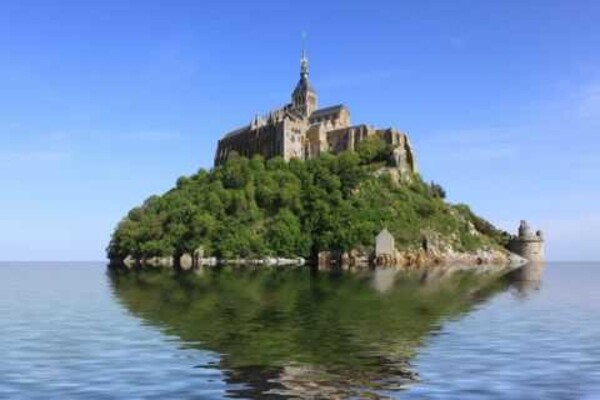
(302, 130)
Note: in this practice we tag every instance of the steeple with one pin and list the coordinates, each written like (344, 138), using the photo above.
(304, 97)
(304, 60)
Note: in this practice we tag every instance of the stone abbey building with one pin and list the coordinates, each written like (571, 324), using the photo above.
(302, 130)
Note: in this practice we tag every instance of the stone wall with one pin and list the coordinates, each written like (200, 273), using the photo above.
(294, 139)
(315, 141)
(267, 141)
(531, 249)
(347, 139)
(337, 119)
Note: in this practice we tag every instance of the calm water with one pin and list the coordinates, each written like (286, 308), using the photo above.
(77, 331)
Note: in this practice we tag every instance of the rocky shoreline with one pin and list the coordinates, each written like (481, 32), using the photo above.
(330, 260)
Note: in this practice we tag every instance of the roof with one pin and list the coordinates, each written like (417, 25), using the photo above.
(384, 232)
(327, 110)
(304, 84)
(237, 131)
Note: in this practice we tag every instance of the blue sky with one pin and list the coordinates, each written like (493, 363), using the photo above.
(103, 103)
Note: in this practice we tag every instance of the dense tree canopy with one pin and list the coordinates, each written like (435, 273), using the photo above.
(253, 207)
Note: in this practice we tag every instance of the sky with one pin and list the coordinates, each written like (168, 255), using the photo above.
(104, 103)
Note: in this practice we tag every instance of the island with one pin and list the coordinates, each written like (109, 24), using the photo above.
(302, 184)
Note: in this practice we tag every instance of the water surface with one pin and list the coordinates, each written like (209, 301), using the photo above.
(79, 331)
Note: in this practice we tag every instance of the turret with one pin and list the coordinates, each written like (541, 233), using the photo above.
(524, 229)
(528, 244)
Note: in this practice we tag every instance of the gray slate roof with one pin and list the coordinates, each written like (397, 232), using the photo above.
(237, 131)
(327, 111)
(303, 84)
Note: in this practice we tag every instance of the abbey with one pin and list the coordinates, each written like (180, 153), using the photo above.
(301, 130)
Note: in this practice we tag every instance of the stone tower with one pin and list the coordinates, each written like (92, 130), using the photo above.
(528, 244)
(304, 97)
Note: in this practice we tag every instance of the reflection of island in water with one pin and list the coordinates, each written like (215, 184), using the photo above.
(296, 333)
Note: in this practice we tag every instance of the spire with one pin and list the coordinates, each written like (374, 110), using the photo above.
(304, 97)
(303, 59)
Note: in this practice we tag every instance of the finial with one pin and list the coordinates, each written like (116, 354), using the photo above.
(303, 59)
(303, 45)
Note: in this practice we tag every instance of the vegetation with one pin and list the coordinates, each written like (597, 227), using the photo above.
(437, 190)
(253, 208)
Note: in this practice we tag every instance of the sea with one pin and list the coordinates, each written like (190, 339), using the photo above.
(79, 330)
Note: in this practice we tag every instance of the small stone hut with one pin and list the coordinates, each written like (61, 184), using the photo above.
(384, 244)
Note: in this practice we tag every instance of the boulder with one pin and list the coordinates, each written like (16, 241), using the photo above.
(186, 262)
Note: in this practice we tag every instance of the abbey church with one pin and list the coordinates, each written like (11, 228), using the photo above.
(301, 130)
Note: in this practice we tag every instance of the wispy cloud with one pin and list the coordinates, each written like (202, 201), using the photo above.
(37, 147)
(472, 145)
(35, 156)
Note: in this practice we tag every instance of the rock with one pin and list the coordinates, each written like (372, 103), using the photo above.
(165, 262)
(198, 256)
(209, 261)
(129, 262)
(345, 259)
(324, 259)
(271, 261)
(186, 262)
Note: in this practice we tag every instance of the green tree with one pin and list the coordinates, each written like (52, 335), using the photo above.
(255, 208)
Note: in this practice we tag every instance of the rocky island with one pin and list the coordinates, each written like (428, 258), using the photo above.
(303, 184)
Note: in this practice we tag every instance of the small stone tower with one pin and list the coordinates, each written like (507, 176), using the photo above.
(528, 244)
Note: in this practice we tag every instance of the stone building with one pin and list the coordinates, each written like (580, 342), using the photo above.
(301, 130)
(528, 244)
(384, 244)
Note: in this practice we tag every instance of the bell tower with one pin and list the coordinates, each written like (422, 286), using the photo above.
(304, 97)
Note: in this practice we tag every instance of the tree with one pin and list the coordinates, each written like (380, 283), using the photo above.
(254, 208)
(437, 190)
(374, 149)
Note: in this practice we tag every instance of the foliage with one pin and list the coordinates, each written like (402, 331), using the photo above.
(437, 190)
(481, 225)
(373, 149)
(253, 207)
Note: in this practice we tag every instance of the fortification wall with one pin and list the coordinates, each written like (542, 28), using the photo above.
(531, 249)
(293, 139)
(266, 141)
